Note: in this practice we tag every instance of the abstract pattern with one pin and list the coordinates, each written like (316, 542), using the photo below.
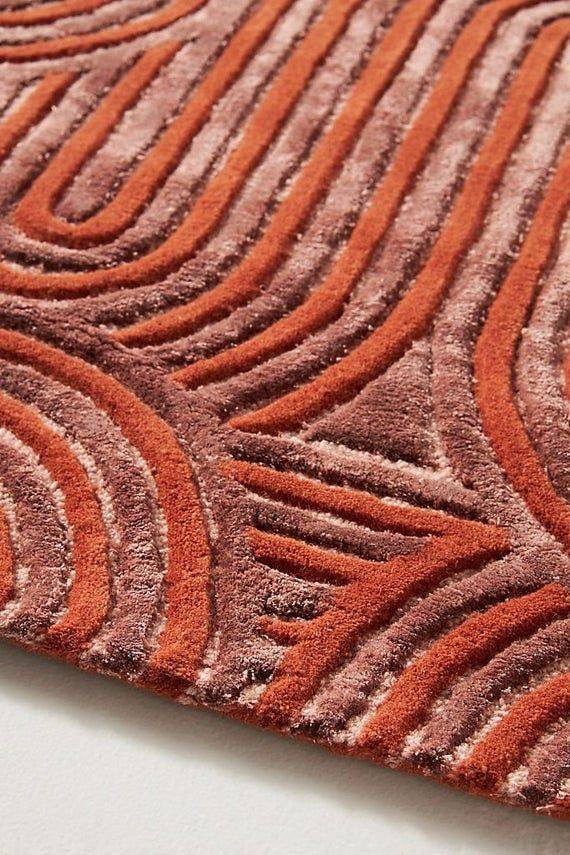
(285, 367)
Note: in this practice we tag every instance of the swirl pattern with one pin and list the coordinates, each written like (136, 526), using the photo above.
(284, 386)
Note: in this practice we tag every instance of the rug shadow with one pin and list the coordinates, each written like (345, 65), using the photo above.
(444, 816)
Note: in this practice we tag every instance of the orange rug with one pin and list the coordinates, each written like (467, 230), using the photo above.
(284, 312)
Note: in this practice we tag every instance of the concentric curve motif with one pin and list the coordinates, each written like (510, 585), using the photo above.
(285, 367)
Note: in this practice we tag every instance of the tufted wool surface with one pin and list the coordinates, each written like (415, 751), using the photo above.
(284, 417)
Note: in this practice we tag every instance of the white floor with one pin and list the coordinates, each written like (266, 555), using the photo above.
(90, 766)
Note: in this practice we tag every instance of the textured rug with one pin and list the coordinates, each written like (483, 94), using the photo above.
(284, 310)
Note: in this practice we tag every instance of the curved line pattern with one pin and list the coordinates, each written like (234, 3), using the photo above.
(472, 643)
(494, 354)
(35, 215)
(89, 594)
(48, 12)
(185, 633)
(71, 45)
(410, 318)
(125, 488)
(50, 185)
(41, 537)
(325, 304)
(215, 200)
(503, 749)
(37, 104)
(282, 352)
(475, 697)
(313, 181)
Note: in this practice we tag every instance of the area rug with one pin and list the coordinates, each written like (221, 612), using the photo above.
(285, 313)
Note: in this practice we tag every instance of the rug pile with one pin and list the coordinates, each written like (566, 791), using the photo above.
(284, 367)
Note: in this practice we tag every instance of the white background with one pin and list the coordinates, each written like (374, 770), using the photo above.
(91, 766)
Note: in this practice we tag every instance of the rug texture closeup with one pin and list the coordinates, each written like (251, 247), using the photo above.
(284, 367)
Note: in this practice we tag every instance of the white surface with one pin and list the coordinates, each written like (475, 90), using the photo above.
(91, 766)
